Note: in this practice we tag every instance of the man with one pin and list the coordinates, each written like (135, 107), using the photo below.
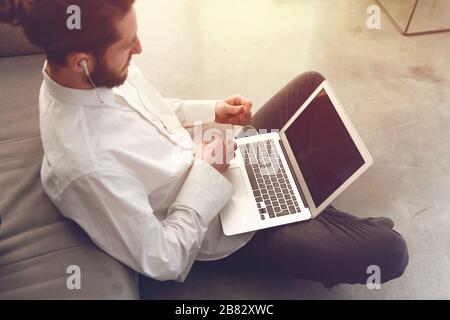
(120, 162)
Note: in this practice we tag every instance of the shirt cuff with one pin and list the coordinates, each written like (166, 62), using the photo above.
(205, 190)
(199, 111)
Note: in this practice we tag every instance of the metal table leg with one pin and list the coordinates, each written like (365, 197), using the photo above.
(411, 16)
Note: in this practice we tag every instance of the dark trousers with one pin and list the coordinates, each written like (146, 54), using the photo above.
(333, 248)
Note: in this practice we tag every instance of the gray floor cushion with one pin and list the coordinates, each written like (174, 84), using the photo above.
(37, 244)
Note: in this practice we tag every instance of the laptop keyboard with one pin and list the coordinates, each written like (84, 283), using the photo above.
(272, 189)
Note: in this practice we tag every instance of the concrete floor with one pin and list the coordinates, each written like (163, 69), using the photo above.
(395, 89)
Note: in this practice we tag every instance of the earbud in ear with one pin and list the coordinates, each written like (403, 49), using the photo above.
(83, 64)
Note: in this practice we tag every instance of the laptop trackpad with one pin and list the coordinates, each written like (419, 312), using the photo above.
(237, 180)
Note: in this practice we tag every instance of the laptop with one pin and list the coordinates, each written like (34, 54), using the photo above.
(294, 174)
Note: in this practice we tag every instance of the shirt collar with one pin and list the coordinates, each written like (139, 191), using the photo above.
(78, 96)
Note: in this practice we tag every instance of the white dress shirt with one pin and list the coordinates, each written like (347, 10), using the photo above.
(120, 163)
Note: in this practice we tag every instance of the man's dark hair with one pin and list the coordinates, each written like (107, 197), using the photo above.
(45, 25)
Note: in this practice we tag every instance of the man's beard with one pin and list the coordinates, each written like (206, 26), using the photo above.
(104, 77)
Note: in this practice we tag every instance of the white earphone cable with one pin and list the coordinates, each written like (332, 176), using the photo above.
(240, 133)
(95, 88)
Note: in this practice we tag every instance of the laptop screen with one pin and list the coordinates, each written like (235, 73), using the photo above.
(324, 149)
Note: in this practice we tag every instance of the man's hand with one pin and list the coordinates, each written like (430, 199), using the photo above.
(218, 153)
(235, 110)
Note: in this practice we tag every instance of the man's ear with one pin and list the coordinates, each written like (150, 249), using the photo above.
(74, 62)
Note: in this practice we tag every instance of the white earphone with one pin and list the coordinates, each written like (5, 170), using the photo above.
(83, 64)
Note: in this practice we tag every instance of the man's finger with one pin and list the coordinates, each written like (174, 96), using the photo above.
(234, 110)
(241, 119)
(235, 100)
(235, 121)
(238, 100)
(246, 112)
